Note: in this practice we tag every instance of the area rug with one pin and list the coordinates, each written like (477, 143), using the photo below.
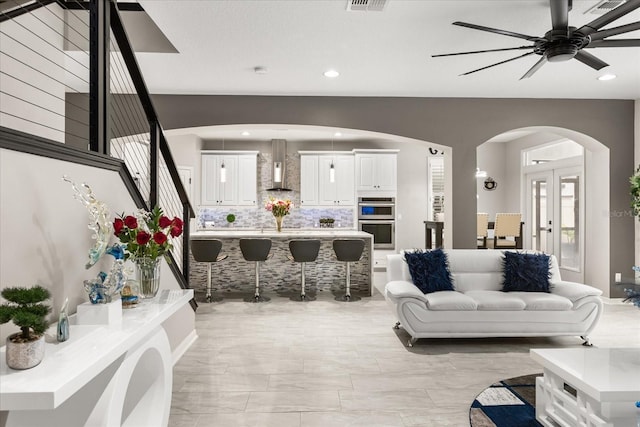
(507, 403)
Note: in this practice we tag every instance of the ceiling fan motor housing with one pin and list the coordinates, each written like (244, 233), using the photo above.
(559, 46)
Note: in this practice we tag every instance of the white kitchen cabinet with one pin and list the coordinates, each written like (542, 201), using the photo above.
(376, 172)
(308, 180)
(240, 186)
(341, 191)
(316, 188)
(247, 179)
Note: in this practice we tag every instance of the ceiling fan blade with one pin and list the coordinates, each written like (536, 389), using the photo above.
(614, 43)
(599, 35)
(535, 68)
(482, 51)
(609, 17)
(497, 63)
(590, 60)
(496, 31)
(559, 14)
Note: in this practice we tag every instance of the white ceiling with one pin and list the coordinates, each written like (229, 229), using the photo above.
(384, 53)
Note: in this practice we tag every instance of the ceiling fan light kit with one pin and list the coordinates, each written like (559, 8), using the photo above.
(606, 77)
(564, 42)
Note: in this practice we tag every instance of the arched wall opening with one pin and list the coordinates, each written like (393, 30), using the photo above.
(412, 196)
(510, 195)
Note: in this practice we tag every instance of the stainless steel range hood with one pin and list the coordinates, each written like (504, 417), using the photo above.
(279, 165)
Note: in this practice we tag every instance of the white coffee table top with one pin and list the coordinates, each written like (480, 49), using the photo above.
(606, 374)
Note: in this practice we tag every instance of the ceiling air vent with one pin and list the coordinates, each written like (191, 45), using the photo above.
(604, 6)
(366, 5)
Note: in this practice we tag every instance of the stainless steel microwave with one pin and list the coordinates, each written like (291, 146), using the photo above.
(376, 208)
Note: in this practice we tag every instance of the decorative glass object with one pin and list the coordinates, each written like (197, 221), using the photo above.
(99, 220)
(105, 286)
(279, 220)
(63, 322)
(130, 294)
(148, 274)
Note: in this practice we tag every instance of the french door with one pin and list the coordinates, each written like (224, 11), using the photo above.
(555, 217)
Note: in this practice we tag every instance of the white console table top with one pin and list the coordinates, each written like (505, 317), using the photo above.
(68, 366)
(605, 374)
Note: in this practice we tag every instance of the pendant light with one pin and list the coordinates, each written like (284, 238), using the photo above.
(223, 170)
(332, 169)
(277, 165)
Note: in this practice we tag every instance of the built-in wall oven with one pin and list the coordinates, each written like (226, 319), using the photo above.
(377, 216)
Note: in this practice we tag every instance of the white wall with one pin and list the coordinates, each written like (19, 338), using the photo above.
(637, 162)
(44, 73)
(45, 239)
(491, 157)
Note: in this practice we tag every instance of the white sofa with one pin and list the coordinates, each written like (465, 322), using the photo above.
(478, 308)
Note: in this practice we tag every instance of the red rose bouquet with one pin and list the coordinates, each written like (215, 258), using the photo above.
(146, 235)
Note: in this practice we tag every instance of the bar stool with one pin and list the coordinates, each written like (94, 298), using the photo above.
(207, 251)
(348, 250)
(304, 251)
(256, 250)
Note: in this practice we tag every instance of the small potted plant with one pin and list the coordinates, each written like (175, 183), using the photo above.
(25, 349)
(231, 219)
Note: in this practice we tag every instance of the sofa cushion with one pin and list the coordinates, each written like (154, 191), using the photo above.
(543, 301)
(526, 272)
(429, 270)
(496, 301)
(450, 301)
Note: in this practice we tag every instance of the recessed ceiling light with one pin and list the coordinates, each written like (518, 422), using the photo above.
(331, 74)
(606, 77)
(337, 134)
(245, 133)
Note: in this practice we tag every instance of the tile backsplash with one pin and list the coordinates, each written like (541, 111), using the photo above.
(259, 217)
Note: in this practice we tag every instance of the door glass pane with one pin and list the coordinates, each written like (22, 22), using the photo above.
(570, 221)
(539, 215)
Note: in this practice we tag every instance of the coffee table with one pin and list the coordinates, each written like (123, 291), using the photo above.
(588, 386)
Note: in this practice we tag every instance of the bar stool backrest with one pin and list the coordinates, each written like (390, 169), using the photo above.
(304, 250)
(255, 249)
(206, 250)
(348, 250)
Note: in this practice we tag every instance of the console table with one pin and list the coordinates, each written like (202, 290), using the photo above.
(588, 386)
(104, 375)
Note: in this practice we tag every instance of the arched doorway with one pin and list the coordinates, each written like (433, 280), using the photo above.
(584, 180)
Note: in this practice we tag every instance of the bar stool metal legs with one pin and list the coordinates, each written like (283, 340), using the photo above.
(207, 250)
(304, 251)
(348, 251)
(256, 250)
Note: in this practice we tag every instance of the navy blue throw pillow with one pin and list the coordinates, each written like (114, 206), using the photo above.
(526, 272)
(429, 270)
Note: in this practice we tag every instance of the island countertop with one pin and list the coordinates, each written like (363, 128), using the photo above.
(228, 232)
(279, 275)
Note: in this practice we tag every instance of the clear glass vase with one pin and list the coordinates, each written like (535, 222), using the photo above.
(279, 222)
(148, 275)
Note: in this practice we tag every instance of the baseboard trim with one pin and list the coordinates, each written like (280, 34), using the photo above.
(182, 348)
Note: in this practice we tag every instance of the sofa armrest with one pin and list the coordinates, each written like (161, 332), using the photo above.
(573, 291)
(397, 289)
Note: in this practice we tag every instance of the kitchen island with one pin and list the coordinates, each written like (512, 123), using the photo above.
(278, 275)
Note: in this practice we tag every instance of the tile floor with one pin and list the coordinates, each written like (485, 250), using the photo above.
(325, 363)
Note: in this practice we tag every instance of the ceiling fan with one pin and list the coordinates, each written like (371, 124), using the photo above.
(563, 42)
